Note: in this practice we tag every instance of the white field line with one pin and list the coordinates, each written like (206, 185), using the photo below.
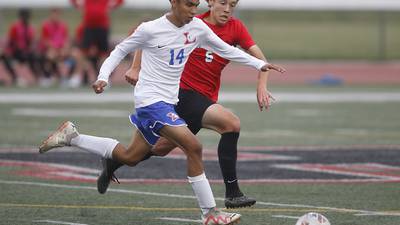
(115, 97)
(286, 217)
(179, 219)
(76, 187)
(57, 222)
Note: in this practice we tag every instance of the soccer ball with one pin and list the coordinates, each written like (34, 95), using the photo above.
(313, 218)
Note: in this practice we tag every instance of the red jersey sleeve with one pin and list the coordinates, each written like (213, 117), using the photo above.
(244, 38)
(12, 33)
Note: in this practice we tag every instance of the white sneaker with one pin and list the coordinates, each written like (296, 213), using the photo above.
(46, 82)
(218, 217)
(75, 81)
(61, 137)
(21, 82)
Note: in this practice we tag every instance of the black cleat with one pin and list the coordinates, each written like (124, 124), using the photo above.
(239, 202)
(107, 175)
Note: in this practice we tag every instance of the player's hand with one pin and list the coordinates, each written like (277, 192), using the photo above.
(98, 86)
(264, 99)
(268, 66)
(132, 76)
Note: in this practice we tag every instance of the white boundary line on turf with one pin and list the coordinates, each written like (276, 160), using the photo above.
(179, 219)
(57, 222)
(41, 184)
(286, 217)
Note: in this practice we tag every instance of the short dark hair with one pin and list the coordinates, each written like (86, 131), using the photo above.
(24, 13)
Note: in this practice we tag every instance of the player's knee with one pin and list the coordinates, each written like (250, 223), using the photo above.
(162, 150)
(232, 126)
(195, 149)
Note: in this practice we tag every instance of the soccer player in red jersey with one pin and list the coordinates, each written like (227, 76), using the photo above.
(94, 42)
(198, 95)
(20, 46)
(96, 22)
(53, 45)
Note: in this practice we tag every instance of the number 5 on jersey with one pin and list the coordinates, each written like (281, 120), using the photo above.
(209, 56)
(180, 56)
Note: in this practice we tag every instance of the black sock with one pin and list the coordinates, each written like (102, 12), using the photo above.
(227, 156)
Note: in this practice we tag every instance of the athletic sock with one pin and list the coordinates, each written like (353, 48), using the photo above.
(227, 156)
(97, 145)
(202, 189)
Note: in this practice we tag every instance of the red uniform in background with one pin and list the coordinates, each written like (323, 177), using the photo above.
(53, 46)
(20, 46)
(96, 12)
(96, 23)
(91, 38)
(54, 34)
(203, 70)
(20, 40)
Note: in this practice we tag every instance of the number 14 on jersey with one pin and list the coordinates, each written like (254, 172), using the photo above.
(179, 57)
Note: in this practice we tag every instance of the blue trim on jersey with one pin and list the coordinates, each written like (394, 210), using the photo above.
(150, 119)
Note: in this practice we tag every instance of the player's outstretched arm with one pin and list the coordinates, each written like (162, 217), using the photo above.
(130, 44)
(264, 97)
(270, 66)
(132, 74)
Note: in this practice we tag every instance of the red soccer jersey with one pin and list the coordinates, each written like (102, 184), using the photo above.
(95, 12)
(54, 34)
(202, 72)
(20, 37)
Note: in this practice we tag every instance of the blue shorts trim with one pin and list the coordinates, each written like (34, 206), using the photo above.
(150, 119)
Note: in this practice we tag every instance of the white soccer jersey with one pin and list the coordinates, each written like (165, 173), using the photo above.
(165, 51)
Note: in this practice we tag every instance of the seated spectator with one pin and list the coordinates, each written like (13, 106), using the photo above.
(53, 46)
(20, 47)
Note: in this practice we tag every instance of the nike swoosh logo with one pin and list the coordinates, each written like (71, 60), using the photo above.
(161, 46)
(230, 182)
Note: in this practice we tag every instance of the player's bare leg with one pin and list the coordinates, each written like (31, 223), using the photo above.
(131, 156)
(226, 123)
(187, 141)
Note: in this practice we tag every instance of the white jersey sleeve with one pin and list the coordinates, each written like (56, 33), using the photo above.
(130, 44)
(213, 43)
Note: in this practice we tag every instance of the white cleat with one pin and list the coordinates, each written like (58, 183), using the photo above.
(218, 217)
(61, 137)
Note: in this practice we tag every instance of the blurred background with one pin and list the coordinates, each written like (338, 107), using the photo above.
(294, 30)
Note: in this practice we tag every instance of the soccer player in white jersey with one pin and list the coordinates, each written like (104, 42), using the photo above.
(166, 43)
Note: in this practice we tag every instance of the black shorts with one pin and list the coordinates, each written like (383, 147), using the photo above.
(97, 37)
(191, 107)
(23, 56)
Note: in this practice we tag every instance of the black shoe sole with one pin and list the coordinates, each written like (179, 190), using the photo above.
(241, 205)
